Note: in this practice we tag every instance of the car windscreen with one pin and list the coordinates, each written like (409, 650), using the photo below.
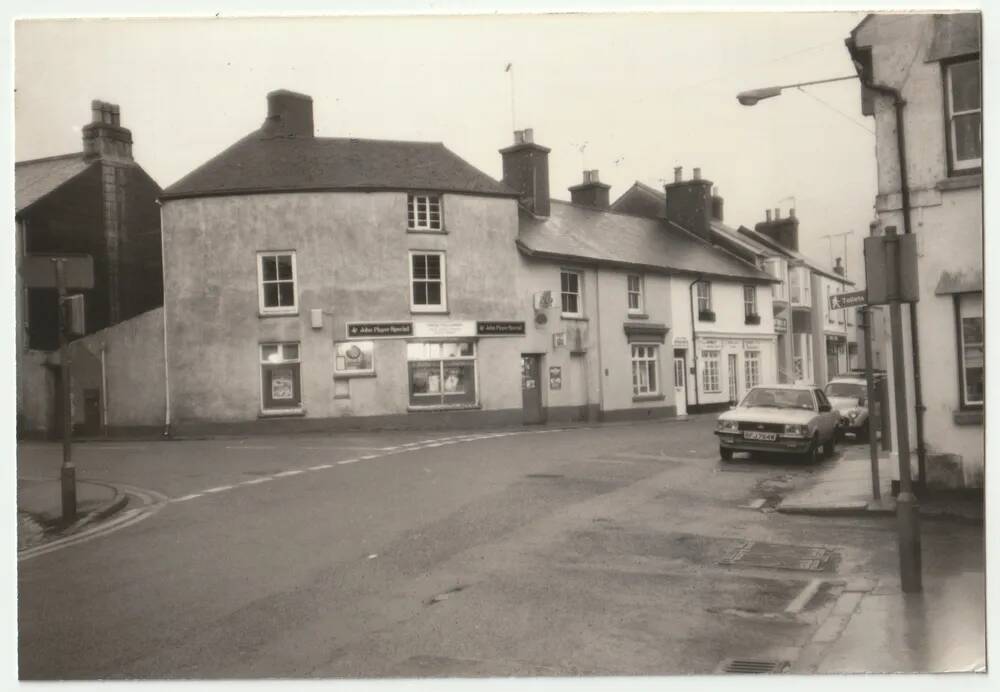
(779, 398)
(845, 389)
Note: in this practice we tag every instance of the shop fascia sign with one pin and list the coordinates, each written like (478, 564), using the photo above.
(379, 330)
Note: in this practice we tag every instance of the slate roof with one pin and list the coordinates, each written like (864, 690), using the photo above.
(583, 233)
(264, 163)
(37, 178)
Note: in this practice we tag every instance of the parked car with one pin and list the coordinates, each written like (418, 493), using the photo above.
(783, 419)
(849, 395)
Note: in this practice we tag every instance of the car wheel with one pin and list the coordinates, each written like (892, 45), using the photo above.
(726, 454)
(811, 456)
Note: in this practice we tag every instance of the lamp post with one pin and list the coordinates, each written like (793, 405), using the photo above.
(906, 508)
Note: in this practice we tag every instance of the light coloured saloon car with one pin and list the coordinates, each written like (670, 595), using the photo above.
(780, 419)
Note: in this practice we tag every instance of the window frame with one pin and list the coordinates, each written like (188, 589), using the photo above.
(751, 357)
(430, 198)
(263, 309)
(750, 306)
(963, 403)
(262, 363)
(706, 360)
(646, 360)
(707, 297)
(638, 293)
(971, 166)
(578, 293)
(442, 361)
(441, 307)
(339, 372)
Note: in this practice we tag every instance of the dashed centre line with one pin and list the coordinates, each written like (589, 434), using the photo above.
(383, 452)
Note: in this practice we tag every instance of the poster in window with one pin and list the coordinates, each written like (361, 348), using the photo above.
(453, 381)
(353, 357)
(282, 385)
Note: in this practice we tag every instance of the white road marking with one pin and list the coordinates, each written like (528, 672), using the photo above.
(247, 447)
(320, 467)
(186, 497)
(220, 489)
(127, 518)
(347, 461)
(800, 601)
(290, 472)
(256, 481)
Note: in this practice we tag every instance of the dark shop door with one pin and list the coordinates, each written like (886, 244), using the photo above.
(531, 389)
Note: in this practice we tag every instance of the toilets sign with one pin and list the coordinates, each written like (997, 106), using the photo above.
(854, 299)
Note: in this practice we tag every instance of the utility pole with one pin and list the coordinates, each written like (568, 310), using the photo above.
(67, 473)
(866, 316)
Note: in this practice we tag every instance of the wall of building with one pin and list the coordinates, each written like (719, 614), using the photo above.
(36, 392)
(352, 263)
(947, 220)
(727, 335)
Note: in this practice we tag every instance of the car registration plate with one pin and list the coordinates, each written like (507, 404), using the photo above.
(762, 436)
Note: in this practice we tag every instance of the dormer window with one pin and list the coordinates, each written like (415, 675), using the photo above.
(423, 212)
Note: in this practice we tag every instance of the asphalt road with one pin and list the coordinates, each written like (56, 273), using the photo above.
(538, 552)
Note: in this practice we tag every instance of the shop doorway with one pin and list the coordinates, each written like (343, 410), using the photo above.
(531, 389)
(680, 382)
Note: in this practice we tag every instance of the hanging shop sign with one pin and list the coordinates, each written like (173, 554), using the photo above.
(379, 330)
(500, 328)
(450, 328)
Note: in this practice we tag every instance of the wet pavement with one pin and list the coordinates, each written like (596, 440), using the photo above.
(605, 550)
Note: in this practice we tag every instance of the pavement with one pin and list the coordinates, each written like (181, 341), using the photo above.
(541, 551)
(39, 508)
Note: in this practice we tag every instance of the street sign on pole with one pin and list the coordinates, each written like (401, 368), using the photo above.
(854, 299)
(67, 473)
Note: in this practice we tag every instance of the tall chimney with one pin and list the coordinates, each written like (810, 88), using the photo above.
(678, 174)
(289, 114)
(717, 204)
(526, 169)
(104, 136)
(591, 192)
(785, 231)
(689, 204)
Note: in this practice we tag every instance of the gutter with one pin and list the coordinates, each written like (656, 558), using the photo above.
(694, 336)
(166, 362)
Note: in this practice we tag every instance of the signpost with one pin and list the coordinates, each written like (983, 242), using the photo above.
(854, 299)
(891, 269)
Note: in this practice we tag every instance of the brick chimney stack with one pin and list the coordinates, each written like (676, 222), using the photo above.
(591, 192)
(104, 136)
(526, 169)
(689, 202)
(717, 204)
(784, 231)
(289, 114)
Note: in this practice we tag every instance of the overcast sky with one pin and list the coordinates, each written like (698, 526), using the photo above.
(630, 95)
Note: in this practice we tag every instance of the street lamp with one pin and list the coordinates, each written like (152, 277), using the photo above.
(751, 97)
(906, 502)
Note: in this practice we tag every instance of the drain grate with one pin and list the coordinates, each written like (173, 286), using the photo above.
(779, 556)
(751, 665)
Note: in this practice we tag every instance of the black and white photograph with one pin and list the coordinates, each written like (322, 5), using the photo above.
(543, 346)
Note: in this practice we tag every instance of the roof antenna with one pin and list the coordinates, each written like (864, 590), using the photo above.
(510, 70)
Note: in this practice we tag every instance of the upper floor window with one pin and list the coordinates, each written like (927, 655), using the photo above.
(963, 100)
(634, 293)
(829, 311)
(427, 282)
(777, 268)
(750, 301)
(276, 283)
(572, 297)
(704, 296)
(423, 212)
(971, 349)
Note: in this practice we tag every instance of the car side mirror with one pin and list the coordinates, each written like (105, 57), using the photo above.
(823, 408)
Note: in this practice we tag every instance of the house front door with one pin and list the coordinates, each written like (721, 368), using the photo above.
(734, 378)
(680, 383)
(531, 389)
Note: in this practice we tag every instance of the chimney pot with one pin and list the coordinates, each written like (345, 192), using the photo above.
(777, 213)
(791, 212)
(697, 174)
(595, 176)
(678, 174)
(529, 136)
(518, 136)
(767, 213)
(289, 114)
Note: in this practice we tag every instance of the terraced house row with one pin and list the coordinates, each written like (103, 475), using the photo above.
(318, 283)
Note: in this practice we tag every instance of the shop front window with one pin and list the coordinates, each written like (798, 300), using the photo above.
(442, 373)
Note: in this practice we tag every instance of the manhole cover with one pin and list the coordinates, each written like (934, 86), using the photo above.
(751, 665)
(779, 556)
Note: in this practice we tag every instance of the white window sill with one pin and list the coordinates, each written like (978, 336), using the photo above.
(282, 413)
(574, 316)
(960, 181)
(432, 231)
(277, 313)
(421, 310)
